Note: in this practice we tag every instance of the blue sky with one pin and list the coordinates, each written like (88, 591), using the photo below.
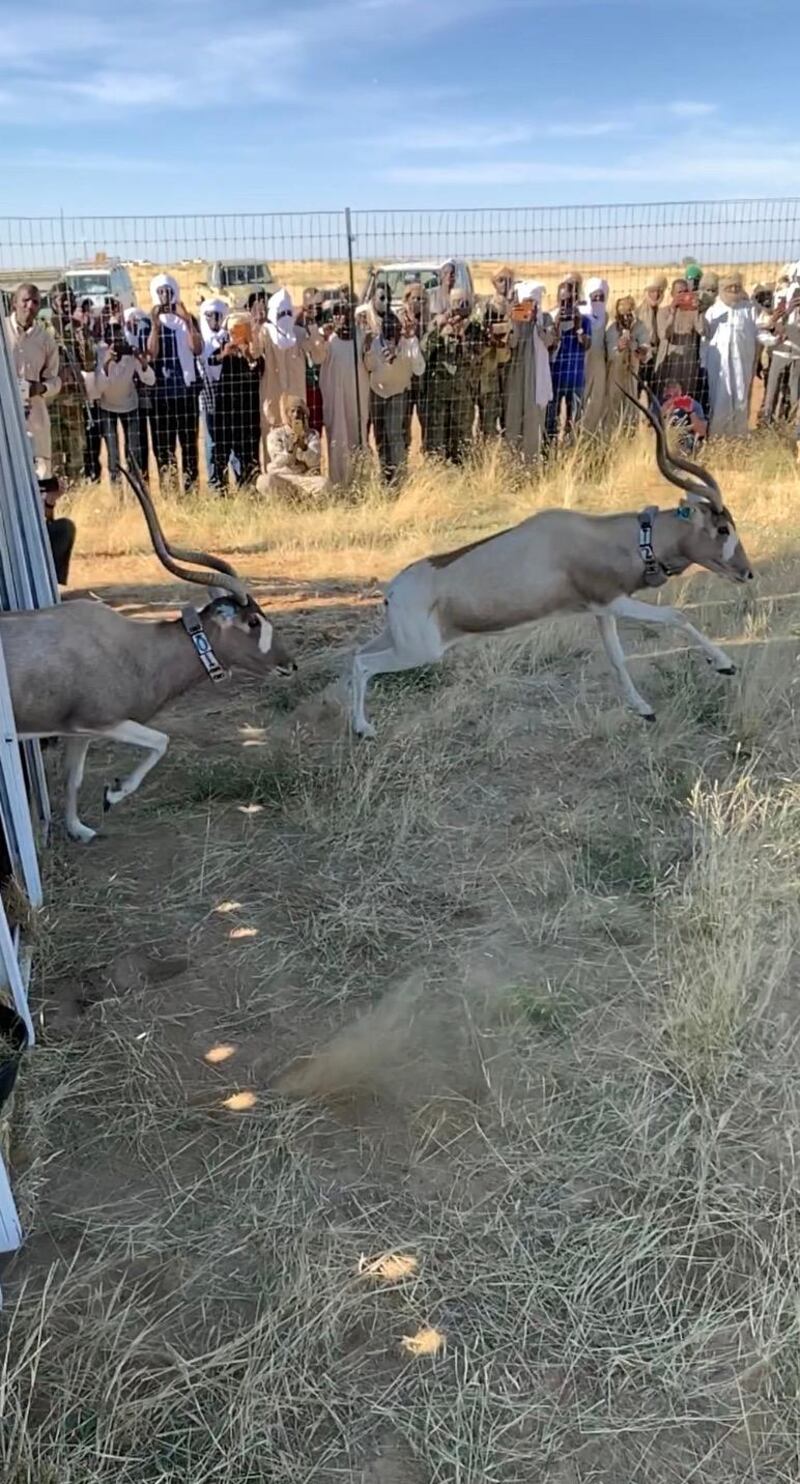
(227, 105)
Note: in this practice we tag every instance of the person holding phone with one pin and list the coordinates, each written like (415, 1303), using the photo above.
(119, 372)
(529, 385)
(212, 320)
(295, 456)
(780, 333)
(568, 364)
(173, 346)
(453, 348)
(343, 404)
(627, 350)
(72, 412)
(309, 316)
(654, 291)
(391, 358)
(596, 308)
(496, 358)
(680, 333)
(237, 407)
(414, 319)
(137, 333)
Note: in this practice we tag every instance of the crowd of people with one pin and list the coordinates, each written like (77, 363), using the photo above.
(267, 384)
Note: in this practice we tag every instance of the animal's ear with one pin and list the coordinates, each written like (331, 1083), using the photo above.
(264, 627)
(218, 592)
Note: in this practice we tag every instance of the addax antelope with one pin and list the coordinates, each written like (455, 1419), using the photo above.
(82, 671)
(560, 561)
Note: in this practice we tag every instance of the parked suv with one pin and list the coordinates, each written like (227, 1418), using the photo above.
(101, 280)
(235, 279)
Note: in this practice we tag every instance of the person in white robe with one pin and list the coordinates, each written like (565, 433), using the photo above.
(295, 455)
(282, 343)
(596, 308)
(34, 354)
(331, 348)
(529, 384)
(731, 349)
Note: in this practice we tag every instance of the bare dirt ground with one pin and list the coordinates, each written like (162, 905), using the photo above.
(510, 995)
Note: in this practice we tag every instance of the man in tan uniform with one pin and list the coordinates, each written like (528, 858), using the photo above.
(35, 357)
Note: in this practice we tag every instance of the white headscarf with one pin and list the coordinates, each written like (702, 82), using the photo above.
(211, 306)
(174, 322)
(213, 340)
(527, 288)
(283, 336)
(134, 319)
(164, 281)
(598, 313)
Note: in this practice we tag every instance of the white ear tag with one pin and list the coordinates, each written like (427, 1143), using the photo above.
(265, 637)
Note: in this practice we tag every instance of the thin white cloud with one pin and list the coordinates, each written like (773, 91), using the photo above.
(129, 89)
(89, 66)
(737, 162)
(77, 161)
(460, 135)
(26, 38)
(588, 130)
(686, 108)
(464, 135)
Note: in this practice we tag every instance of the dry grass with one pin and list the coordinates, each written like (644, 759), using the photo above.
(297, 274)
(426, 1114)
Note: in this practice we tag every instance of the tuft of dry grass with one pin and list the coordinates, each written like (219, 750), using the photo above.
(426, 1112)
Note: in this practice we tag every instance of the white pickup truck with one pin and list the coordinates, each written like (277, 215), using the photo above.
(397, 277)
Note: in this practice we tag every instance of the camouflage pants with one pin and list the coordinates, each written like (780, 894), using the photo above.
(449, 418)
(492, 401)
(68, 432)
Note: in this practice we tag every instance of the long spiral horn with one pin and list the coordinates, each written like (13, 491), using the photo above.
(703, 486)
(222, 574)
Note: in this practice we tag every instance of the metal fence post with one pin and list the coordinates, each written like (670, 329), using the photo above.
(348, 223)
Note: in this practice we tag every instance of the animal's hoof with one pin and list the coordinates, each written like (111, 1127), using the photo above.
(111, 796)
(81, 834)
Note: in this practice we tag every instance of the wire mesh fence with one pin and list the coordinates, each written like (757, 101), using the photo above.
(268, 349)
